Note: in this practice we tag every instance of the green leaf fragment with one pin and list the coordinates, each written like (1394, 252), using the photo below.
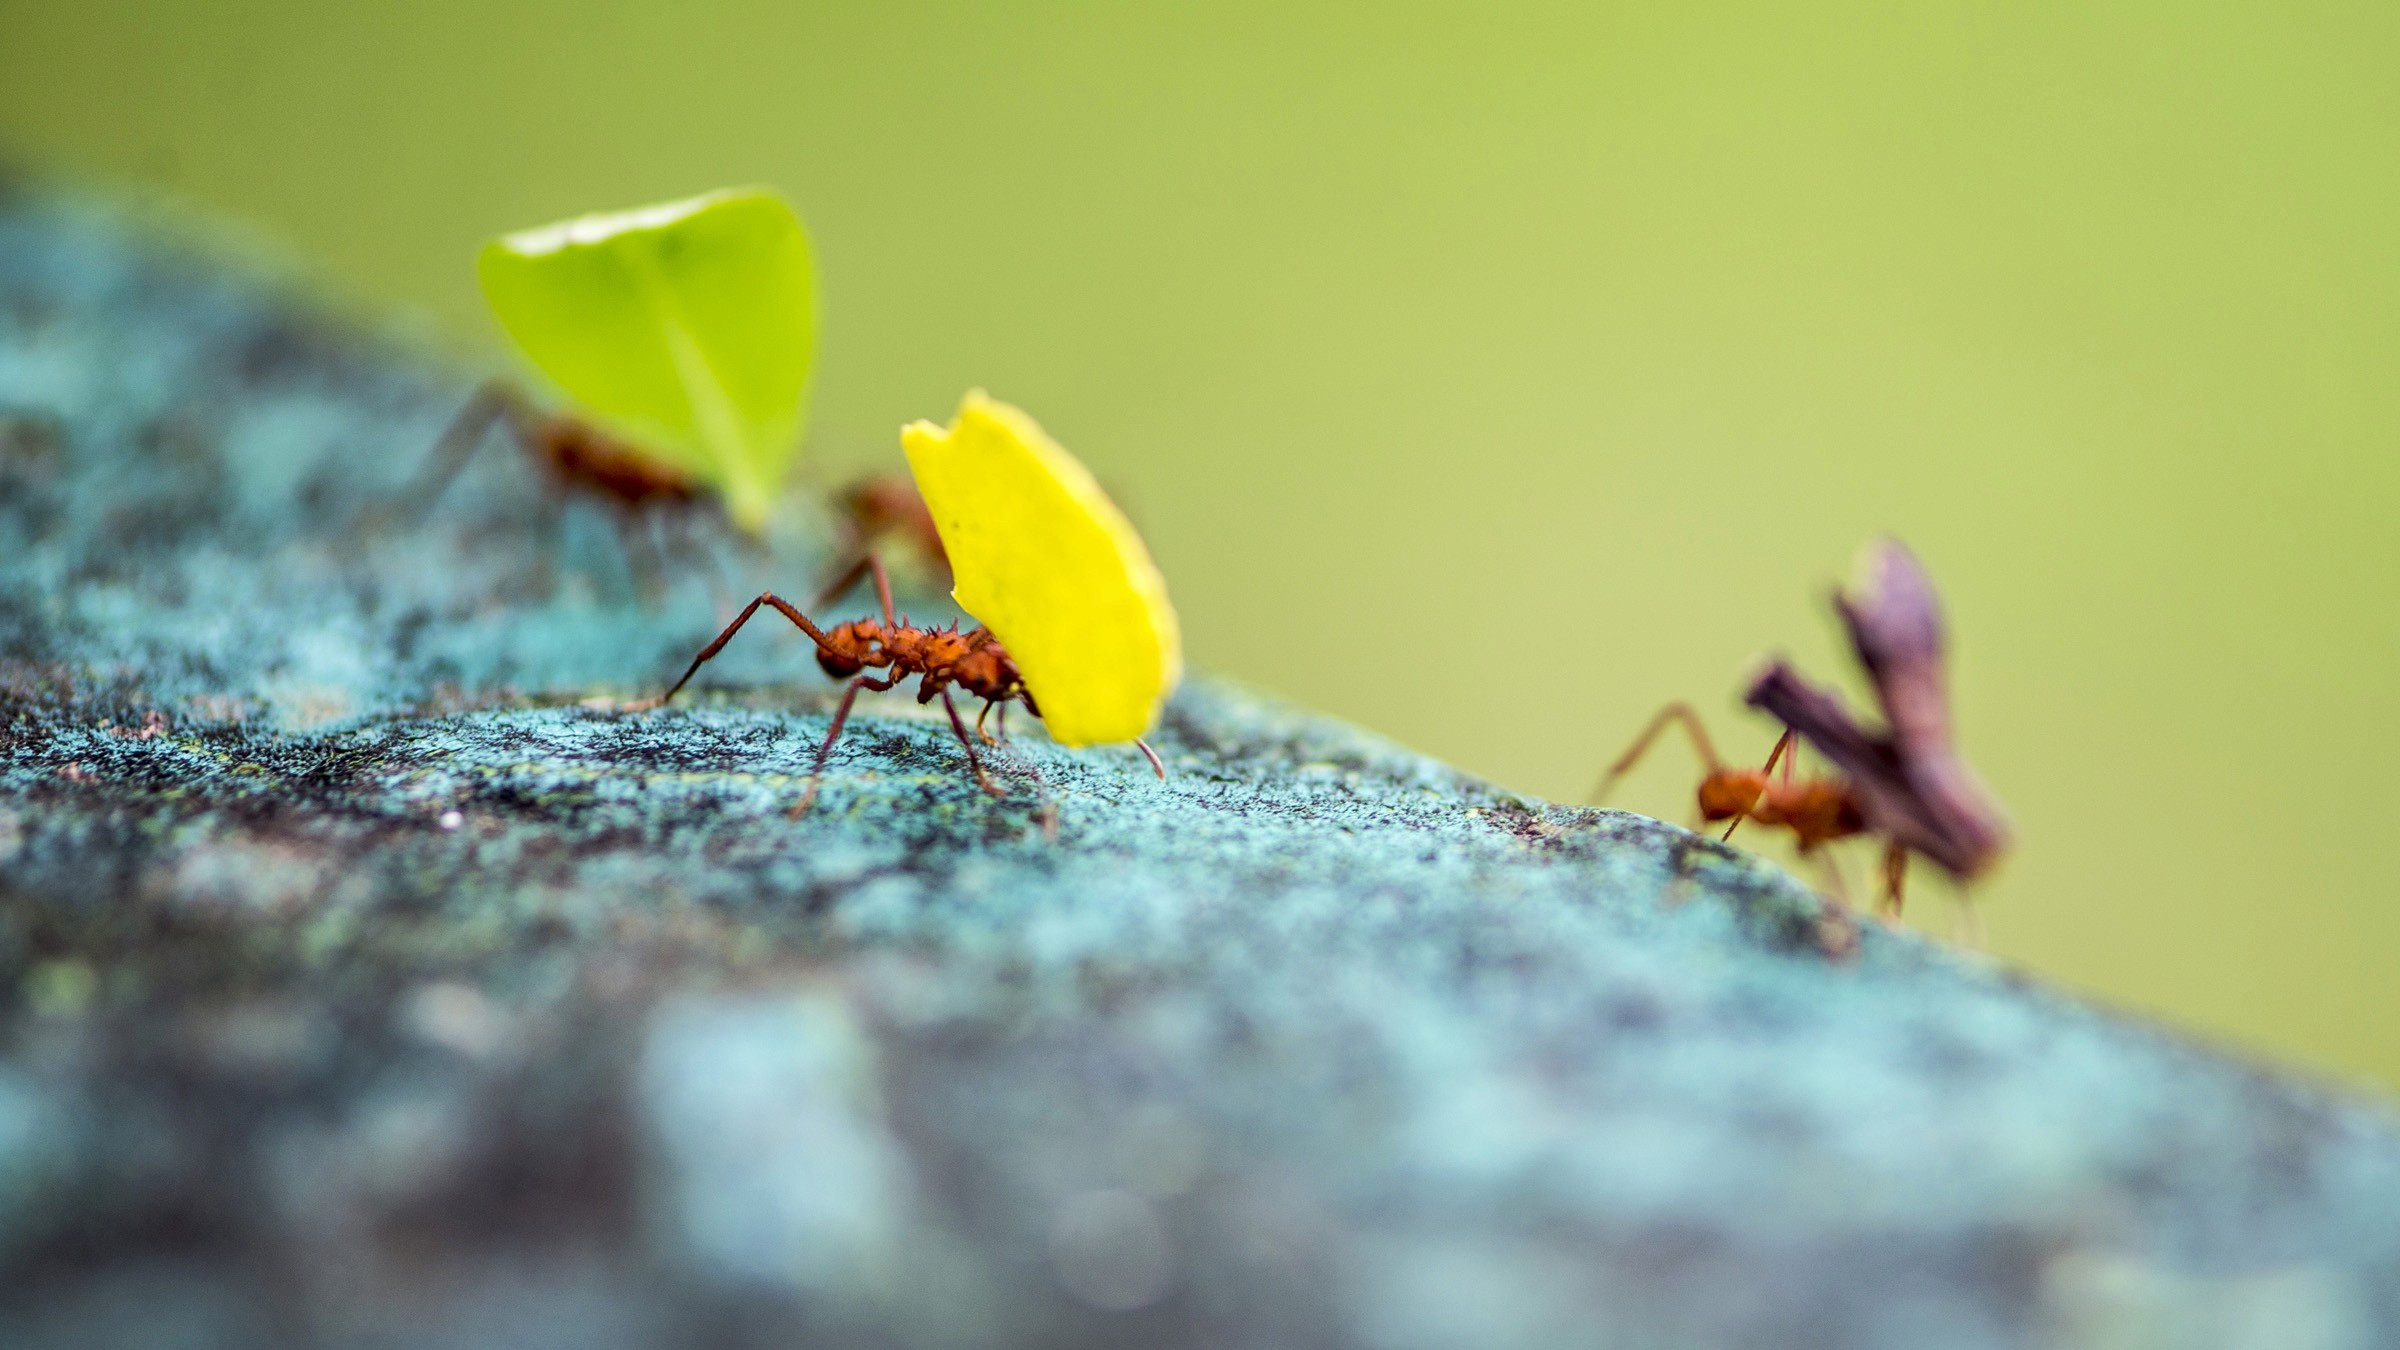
(689, 328)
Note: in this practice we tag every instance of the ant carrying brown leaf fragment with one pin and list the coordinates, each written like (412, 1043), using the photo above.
(973, 661)
(1905, 784)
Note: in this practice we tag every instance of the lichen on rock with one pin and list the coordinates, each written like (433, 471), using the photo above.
(379, 978)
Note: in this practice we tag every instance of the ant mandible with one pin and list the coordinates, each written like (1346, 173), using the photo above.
(974, 661)
(1906, 784)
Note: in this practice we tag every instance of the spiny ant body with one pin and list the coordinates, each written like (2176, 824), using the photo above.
(940, 659)
(1905, 783)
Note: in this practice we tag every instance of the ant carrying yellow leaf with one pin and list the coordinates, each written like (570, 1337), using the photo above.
(1074, 618)
(1905, 784)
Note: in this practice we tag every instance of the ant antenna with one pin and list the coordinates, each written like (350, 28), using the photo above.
(492, 403)
(1673, 712)
(1788, 741)
(1895, 876)
(841, 714)
(974, 761)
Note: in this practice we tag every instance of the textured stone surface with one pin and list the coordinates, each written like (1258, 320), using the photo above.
(372, 978)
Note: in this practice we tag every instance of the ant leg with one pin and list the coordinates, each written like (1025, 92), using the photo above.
(980, 734)
(1788, 741)
(1837, 886)
(782, 606)
(641, 556)
(842, 581)
(1967, 927)
(1041, 785)
(491, 403)
(553, 530)
(1674, 712)
(1895, 878)
(883, 588)
(974, 761)
(685, 550)
(869, 564)
(1000, 725)
(1152, 756)
(841, 715)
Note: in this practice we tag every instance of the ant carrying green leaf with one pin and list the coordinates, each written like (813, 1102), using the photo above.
(684, 335)
(686, 331)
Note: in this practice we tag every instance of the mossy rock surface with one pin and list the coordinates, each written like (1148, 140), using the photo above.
(374, 977)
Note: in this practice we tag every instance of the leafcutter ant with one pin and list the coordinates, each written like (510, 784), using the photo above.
(973, 661)
(1904, 784)
(573, 457)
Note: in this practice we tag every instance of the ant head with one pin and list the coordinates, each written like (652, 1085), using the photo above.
(849, 648)
(1730, 792)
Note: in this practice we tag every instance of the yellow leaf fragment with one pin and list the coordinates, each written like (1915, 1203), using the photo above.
(1047, 562)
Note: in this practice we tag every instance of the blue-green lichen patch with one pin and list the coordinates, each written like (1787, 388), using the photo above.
(373, 973)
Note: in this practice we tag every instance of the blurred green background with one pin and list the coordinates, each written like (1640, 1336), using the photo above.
(1492, 374)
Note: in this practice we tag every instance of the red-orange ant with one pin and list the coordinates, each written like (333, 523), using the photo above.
(1816, 810)
(572, 456)
(974, 661)
(1906, 784)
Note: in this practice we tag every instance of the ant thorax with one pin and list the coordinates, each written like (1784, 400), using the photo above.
(578, 452)
(974, 661)
(987, 671)
(931, 650)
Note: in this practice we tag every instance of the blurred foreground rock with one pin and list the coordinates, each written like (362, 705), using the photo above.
(369, 978)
